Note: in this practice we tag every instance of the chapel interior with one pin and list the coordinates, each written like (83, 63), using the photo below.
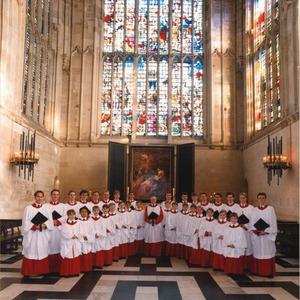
(221, 75)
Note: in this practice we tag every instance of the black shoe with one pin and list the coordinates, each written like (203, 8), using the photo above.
(270, 276)
(26, 277)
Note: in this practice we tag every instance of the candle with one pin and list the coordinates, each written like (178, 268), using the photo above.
(173, 192)
(128, 190)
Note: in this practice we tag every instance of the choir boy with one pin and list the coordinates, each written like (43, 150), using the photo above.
(205, 233)
(204, 203)
(171, 219)
(72, 204)
(100, 233)
(116, 199)
(184, 214)
(95, 201)
(115, 241)
(190, 236)
(218, 262)
(57, 210)
(107, 242)
(264, 231)
(83, 195)
(140, 226)
(217, 206)
(195, 254)
(105, 200)
(86, 258)
(245, 212)
(195, 201)
(230, 206)
(71, 239)
(166, 212)
(184, 199)
(168, 196)
(124, 230)
(153, 228)
(131, 228)
(234, 243)
(131, 199)
(37, 223)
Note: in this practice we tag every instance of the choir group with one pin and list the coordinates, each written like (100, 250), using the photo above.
(78, 236)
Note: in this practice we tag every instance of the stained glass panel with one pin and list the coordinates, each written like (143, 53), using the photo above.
(36, 8)
(130, 20)
(264, 87)
(198, 23)
(33, 76)
(106, 96)
(163, 97)
(270, 56)
(198, 98)
(259, 10)
(277, 75)
(141, 96)
(187, 98)
(43, 16)
(26, 68)
(39, 84)
(153, 25)
(28, 8)
(164, 26)
(142, 26)
(119, 26)
(187, 27)
(117, 96)
(45, 88)
(152, 97)
(176, 23)
(49, 21)
(176, 97)
(108, 26)
(257, 78)
(128, 96)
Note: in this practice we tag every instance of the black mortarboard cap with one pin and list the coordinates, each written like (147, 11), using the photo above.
(229, 213)
(56, 215)
(84, 207)
(261, 225)
(243, 219)
(39, 219)
(216, 214)
(153, 216)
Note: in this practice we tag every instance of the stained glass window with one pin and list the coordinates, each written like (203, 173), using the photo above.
(266, 61)
(36, 68)
(26, 68)
(39, 83)
(33, 76)
(169, 34)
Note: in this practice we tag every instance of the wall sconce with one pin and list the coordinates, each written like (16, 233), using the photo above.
(275, 162)
(26, 158)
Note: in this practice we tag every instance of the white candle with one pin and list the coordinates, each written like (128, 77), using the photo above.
(173, 192)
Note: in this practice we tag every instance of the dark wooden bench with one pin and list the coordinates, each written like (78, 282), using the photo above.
(10, 235)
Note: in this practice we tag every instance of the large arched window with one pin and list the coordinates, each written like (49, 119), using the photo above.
(36, 60)
(263, 63)
(152, 68)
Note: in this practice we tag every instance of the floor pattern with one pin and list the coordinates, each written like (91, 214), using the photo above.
(148, 278)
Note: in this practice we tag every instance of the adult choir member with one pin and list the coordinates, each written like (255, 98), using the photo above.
(57, 210)
(36, 226)
(264, 231)
(153, 228)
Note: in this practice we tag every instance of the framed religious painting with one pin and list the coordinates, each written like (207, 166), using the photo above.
(151, 171)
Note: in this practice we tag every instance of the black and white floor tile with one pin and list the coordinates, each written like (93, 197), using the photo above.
(148, 278)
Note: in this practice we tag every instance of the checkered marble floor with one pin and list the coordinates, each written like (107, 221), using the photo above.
(148, 278)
